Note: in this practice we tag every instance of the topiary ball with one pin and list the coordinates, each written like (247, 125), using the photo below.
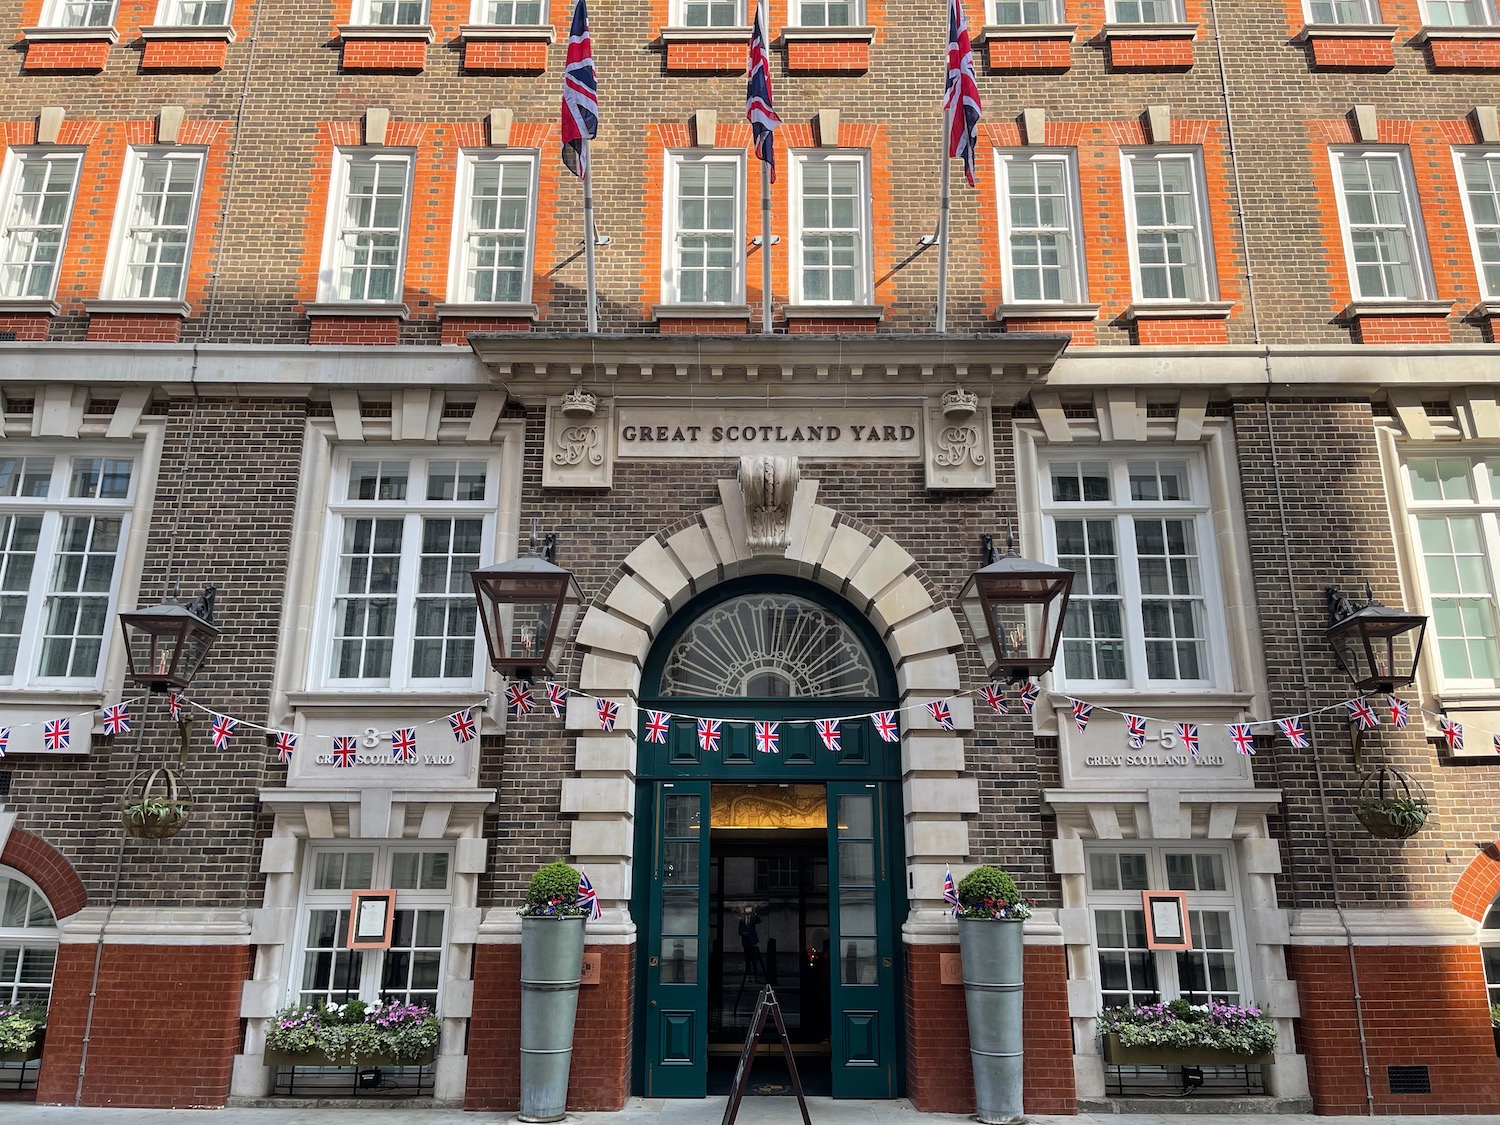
(557, 882)
(987, 884)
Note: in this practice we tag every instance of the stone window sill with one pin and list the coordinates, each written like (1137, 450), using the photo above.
(69, 34)
(157, 32)
(1042, 310)
(506, 33)
(828, 34)
(356, 308)
(704, 34)
(1027, 31)
(1429, 33)
(834, 312)
(137, 308)
(1184, 310)
(1357, 309)
(494, 309)
(1487, 308)
(1346, 31)
(402, 32)
(26, 305)
(365, 698)
(699, 312)
(1149, 31)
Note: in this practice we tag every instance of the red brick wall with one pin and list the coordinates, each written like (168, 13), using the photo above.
(1422, 1007)
(1019, 56)
(1479, 884)
(1151, 54)
(166, 1025)
(1464, 54)
(849, 56)
(184, 54)
(349, 330)
(136, 328)
(938, 1074)
(516, 56)
(1401, 330)
(68, 56)
(1352, 54)
(406, 56)
(600, 1076)
(26, 326)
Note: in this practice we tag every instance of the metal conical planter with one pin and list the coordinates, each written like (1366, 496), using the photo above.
(551, 964)
(992, 956)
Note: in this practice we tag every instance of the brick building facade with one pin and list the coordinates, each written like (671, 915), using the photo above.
(295, 301)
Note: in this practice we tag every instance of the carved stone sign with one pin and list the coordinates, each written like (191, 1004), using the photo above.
(1102, 757)
(436, 761)
(783, 431)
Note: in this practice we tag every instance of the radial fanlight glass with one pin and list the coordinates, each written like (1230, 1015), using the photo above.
(1017, 606)
(528, 608)
(1376, 646)
(165, 645)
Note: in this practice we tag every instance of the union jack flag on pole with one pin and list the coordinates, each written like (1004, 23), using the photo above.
(116, 719)
(609, 711)
(709, 733)
(950, 891)
(462, 723)
(404, 745)
(657, 725)
(885, 726)
(758, 109)
(768, 738)
(580, 98)
(828, 731)
(994, 695)
(1244, 741)
(587, 897)
(1292, 728)
(345, 747)
(223, 728)
(961, 108)
(1362, 714)
(1135, 730)
(286, 746)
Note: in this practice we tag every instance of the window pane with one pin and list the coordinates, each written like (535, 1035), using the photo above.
(35, 225)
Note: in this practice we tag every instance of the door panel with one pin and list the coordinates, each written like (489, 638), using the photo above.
(863, 990)
(677, 961)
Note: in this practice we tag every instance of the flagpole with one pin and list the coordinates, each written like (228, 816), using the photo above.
(943, 208)
(588, 237)
(765, 247)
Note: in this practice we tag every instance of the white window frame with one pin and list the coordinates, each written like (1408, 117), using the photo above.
(25, 937)
(1488, 16)
(170, 13)
(362, 13)
(795, 13)
(1169, 984)
(333, 227)
(371, 961)
(679, 14)
(1005, 161)
(1174, 16)
(1051, 12)
(1416, 234)
(1345, 13)
(1485, 508)
(1491, 156)
(1202, 229)
(53, 509)
(480, 17)
(58, 13)
(865, 274)
(670, 278)
(16, 160)
(117, 285)
(1122, 511)
(1489, 951)
(411, 511)
(469, 161)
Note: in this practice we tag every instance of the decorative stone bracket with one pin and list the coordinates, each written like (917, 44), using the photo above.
(768, 485)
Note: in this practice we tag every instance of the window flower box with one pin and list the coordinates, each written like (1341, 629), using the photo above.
(353, 1034)
(1118, 1054)
(22, 1032)
(1181, 1034)
(319, 1057)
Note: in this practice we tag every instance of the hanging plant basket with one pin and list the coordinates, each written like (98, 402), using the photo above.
(1391, 805)
(154, 806)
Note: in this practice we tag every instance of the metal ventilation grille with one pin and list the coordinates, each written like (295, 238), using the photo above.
(1409, 1079)
(5, 783)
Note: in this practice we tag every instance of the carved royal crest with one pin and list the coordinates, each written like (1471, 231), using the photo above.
(959, 404)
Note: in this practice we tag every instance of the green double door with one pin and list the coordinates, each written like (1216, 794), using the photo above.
(675, 835)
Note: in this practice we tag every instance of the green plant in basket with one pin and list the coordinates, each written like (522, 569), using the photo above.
(987, 892)
(553, 893)
(152, 810)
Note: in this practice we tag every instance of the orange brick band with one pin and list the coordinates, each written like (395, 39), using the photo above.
(1464, 54)
(801, 327)
(402, 55)
(828, 57)
(26, 326)
(720, 326)
(1082, 331)
(1401, 330)
(1352, 54)
(1182, 330)
(706, 58)
(456, 329)
(521, 56)
(355, 330)
(68, 55)
(184, 54)
(1022, 56)
(1151, 54)
(136, 328)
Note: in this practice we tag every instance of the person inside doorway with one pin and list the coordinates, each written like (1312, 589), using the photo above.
(749, 930)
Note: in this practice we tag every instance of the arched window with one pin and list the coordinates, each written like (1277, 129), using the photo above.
(28, 941)
(1489, 947)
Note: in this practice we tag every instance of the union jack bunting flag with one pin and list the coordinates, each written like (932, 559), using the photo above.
(557, 699)
(587, 897)
(345, 747)
(609, 711)
(828, 731)
(116, 719)
(1135, 730)
(1188, 732)
(580, 98)
(56, 734)
(4, 740)
(223, 728)
(1453, 732)
(885, 726)
(758, 111)
(994, 695)
(961, 106)
(1082, 713)
(175, 703)
(950, 891)
(286, 746)
(404, 745)
(768, 738)
(941, 714)
(1362, 714)
(1292, 728)
(657, 724)
(1495, 740)
(462, 723)
(1244, 741)
(1029, 695)
(1400, 713)
(518, 699)
(709, 733)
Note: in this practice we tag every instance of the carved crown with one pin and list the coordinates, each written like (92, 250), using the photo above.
(959, 403)
(578, 403)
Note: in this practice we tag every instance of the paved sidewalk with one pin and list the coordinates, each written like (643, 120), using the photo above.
(653, 1111)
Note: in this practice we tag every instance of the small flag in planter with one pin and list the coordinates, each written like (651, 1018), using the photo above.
(768, 738)
(1029, 695)
(609, 711)
(116, 719)
(1400, 713)
(587, 897)
(1082, 713)
(462, 723)
(1292, 728)
(286, 746)
(950, 891)
(557, 699)
(56, 734)
(1453, 733)
(994, 695)
(941, 714)
(885, 726)
(1362, 714)
(1135, 730)
(518, 699)
(657, 725)
(404, 745)
(345, 747)
(223, 729)
(1244, 741)
(1188, 732)
(828, 731)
